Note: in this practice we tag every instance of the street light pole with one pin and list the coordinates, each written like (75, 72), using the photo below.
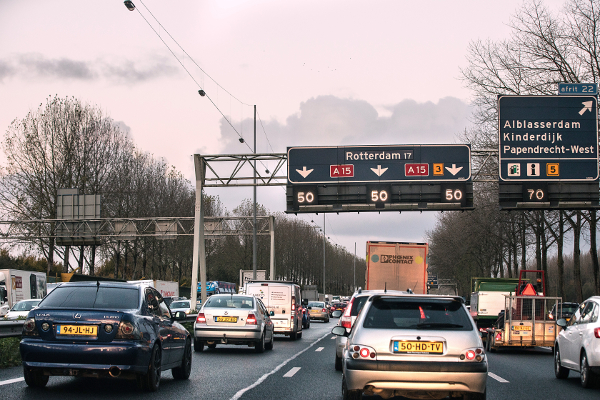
(354, 268)
(324, 235)
(254, 247)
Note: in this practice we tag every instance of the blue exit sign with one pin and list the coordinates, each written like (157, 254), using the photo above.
(578, 88)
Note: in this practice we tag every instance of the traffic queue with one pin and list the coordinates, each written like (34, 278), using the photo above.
(388, 342)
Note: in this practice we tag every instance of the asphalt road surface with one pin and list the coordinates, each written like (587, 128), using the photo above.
(301, 369)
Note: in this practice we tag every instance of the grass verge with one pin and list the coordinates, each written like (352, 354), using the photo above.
(9, 348)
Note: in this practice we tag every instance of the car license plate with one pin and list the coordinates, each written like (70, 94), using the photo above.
(522, 328)
(226, 319)
(77, 330)
(418, 347)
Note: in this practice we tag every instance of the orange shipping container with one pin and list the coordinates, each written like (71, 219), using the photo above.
(397, 266)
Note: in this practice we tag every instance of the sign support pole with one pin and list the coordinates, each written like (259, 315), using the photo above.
(199, 254)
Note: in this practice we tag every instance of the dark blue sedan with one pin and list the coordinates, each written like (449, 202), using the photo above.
(101, 329)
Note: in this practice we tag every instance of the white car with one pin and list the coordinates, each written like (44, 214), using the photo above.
(181, 305)
(577, 346)
(22, 308)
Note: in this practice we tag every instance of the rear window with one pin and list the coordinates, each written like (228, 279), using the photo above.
(425, 314)
(314, 304)
(111, 298)
(180, 304)
(357, 305)
(230, 302)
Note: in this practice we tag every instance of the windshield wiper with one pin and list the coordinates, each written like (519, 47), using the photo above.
(438, 325)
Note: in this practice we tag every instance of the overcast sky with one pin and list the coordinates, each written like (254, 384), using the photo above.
(320, 72)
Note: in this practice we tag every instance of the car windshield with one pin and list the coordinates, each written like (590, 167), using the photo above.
(569, 308)
(101, 297)
(180, 304)
(25, 305)
(230, 302)
(402, 313)
(316, 305)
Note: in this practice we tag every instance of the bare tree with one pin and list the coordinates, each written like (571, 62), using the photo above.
(62, 144)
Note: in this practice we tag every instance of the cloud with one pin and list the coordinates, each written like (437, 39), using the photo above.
(33, 65)
(332, 121)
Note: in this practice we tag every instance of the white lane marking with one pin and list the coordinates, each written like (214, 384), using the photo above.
(11, 381)
(320, 349)
(496, 377)
(333, 337)
(291, 372)
(277, 368)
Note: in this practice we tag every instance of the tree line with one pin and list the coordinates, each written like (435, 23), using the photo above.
(545, 48)
(66, 143)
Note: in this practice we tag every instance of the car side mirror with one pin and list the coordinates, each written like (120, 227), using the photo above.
(562, 323)
(339, 331)
(271, 313)
(179, 316)
(336, 314)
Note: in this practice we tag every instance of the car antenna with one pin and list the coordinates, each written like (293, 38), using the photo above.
(385, 287)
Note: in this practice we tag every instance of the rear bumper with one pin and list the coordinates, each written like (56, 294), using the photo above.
(416, 376)
(57, 358)
(321, 316)
(219, 334)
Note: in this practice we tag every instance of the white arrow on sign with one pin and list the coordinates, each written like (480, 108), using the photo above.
(454, 170)
(587, 105)
(379, 171)
(304, 172)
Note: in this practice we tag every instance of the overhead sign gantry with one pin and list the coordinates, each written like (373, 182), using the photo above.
(379, 178)
(548, 152)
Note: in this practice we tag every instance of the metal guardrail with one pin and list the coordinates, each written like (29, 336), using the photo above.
(15, 328)
(11, 328)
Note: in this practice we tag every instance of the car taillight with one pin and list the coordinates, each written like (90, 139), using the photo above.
(499, 337)
(324, 310)
(476, 354)
(127, 330)
(346, 322)
(251, 320)
(293, 303)
(29, 328)
(597, 332)
(201, 319)
(363, 352)
(550, 316)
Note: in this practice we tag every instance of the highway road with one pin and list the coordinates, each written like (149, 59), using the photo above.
(301, 369)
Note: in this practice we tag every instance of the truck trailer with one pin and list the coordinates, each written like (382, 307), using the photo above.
(165, 288)
(488, 300)
(397, 266)
(17, 285)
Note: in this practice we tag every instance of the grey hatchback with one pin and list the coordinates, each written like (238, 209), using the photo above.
(413, 346)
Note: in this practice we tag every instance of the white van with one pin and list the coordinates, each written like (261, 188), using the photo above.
(283, 298)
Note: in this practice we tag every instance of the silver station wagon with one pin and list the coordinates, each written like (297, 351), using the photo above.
(233, 319)
(416, 346)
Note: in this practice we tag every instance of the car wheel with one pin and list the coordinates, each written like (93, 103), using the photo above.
(294, 335)
(586, 375)
(338, 362)
(151, 380)
(183, 371)
(212, 345)
(260, 345)
(327, 320)
(559, 371)
(198, 345)
(35, 377)
(308, 324)
(350, 394)
(299, 335)
(269, 346)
